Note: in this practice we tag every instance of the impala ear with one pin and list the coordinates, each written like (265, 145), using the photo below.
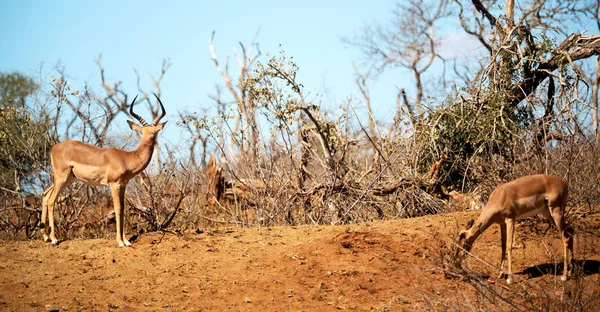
(160, 126)
(134, 126)
(470, 223)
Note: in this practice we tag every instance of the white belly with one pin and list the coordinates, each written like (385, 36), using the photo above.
(531, 213)
(90, 175)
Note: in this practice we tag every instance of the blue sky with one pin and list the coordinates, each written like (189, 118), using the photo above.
(140, 34)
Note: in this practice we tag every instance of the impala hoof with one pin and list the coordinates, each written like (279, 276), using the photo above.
(54, 242)
(564, 278)
(124, 243)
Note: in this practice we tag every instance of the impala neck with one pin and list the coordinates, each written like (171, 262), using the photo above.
(144, 153)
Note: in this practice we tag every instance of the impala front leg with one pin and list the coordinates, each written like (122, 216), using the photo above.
(118, 194)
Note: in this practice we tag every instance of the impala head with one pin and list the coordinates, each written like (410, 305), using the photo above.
(145, 128)
(464, 239)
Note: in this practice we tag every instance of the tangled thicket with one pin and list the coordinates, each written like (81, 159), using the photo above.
(280, 157)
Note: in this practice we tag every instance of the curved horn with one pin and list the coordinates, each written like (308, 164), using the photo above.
(136, 116)
(159, 117)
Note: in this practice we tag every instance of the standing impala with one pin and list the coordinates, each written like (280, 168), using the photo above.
(100, 166)
(524, 197)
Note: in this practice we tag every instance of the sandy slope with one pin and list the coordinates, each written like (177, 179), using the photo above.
(390, 265)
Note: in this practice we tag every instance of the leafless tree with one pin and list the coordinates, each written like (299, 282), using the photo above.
(245, 119)
(408, 42)
(92, 114)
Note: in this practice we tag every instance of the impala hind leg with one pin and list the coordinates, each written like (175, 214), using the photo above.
(44, 220)
(60, 182)
(510, 231)
(503, 257)
(556, 214)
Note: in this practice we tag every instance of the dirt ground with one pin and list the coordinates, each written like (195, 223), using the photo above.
(379, 266)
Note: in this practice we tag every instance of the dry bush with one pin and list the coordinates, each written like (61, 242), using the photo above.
(287, 162)
(156, 200)
(19, 216)
(270, 193)
(80, 211)
(77, 210)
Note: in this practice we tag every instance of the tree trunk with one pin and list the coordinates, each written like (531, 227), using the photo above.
(595, 100)
(510, 14)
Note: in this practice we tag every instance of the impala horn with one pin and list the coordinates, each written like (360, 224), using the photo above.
(136, 116)
(158, 118)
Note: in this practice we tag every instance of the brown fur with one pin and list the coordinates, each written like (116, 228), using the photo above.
(525, 196)
(100, 166)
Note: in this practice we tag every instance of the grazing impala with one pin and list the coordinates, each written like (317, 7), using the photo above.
(524, 197)
(100, 166)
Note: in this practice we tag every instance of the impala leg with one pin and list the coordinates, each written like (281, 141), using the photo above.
(118, 195)
(567, 238)
(567, 235)
(44, 221)
(510, 230)
(59, 185)
(122, 202)
(503, 257)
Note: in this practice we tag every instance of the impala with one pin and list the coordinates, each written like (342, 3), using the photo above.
(524, 197)
(100, 167)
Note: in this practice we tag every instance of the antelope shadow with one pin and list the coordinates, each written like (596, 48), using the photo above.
(587, 267)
